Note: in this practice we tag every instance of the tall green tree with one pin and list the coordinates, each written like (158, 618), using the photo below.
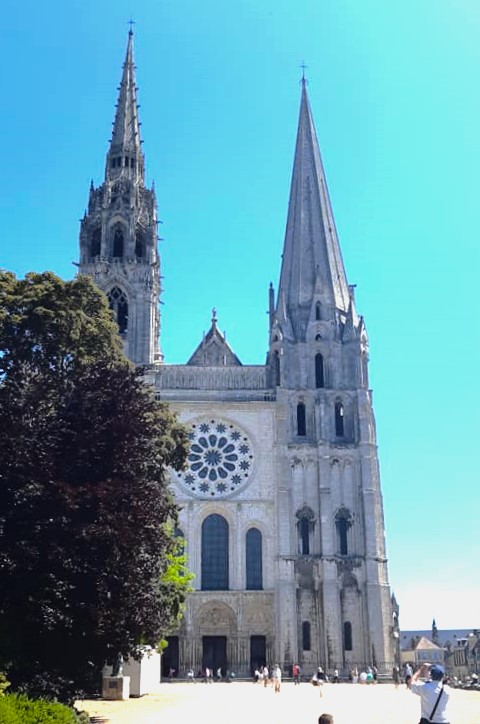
(86, 515)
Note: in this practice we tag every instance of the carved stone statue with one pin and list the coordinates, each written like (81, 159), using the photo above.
(117, 668)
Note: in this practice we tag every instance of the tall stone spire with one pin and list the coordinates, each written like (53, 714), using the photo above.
(118, 235)
(312, 262)
(125, 153)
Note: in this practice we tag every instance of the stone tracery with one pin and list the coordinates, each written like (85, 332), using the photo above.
(220, 460)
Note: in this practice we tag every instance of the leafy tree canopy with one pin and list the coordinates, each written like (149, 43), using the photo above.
(86, 515)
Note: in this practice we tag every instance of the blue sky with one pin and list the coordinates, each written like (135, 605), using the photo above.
(394, 92)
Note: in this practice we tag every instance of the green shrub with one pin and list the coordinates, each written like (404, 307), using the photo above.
(19, 709)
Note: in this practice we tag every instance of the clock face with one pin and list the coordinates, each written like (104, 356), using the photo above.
(220, 461)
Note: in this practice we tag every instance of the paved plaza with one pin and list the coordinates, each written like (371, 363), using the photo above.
(247, 703)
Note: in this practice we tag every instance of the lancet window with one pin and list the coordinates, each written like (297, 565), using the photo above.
(139, 245)
(254, 559)
(118, 243)
(339, 419)
(118, 302)
(306, 636)
(319, 371)
(215, 553)
(343, 521)
(301, 420)
(96, 242)
(347, 636)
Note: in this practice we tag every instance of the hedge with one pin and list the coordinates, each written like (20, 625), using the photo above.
(19, 709)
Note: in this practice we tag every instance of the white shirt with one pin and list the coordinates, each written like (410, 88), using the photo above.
(428, 691)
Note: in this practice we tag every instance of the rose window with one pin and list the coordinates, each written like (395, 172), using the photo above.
(220, 460)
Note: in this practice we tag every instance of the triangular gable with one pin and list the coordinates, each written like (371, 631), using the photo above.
(213, 350)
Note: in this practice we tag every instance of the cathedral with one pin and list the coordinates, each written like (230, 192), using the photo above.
(281, 507)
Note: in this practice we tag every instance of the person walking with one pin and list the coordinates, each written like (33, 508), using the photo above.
(265, 676)
(434, 695)
(277, 678)
(296, 674)
(319, 679)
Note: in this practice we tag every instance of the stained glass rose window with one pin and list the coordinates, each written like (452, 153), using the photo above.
(220, 459)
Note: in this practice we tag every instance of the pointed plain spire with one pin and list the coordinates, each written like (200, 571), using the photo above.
(125, 142)
(311, 245)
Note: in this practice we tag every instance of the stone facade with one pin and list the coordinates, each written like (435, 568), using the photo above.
(281, 506)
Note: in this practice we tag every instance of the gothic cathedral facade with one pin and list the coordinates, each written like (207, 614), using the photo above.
(281, 506)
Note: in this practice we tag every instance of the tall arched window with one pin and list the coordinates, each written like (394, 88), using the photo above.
(339, 420)
(215, 553)
(276, 368)
(119, 304)
(301, 420)
(118, 243)
(318, 311)
(96, 242)
(139, 245)
(306, 637)
(304, 530)
(342, 528)
(347, 636)
(254, 560)
(319, 373)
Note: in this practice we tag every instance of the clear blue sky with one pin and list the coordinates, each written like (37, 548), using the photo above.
(394, 92)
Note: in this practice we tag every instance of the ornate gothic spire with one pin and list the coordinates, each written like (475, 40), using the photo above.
(125, 154)
(311, 256)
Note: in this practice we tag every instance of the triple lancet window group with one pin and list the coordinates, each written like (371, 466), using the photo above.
(117, 244)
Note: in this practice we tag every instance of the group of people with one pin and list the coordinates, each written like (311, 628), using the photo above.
(269, 676)
(207, 675)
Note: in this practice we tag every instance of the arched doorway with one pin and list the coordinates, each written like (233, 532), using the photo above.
(216, 631)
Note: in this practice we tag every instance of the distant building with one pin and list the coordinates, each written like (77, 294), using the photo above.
(458, 650)
(463, 658)
(444, 637)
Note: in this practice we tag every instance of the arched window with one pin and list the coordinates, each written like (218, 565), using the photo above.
(119, 304)
(215, 553)
(276, 368)
(319, 375)
(139, 245)
(339, 420)
(318, 311)
(301, 420)
(347, 636)
(304, 530)
(342, 523)
(118, 243)
(96, 242)
(254, 560)
(306, 638)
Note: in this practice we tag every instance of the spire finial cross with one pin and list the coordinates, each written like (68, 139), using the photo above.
(303, 67)
(131, 23)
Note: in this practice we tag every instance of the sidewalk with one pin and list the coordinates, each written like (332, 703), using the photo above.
(248, 703)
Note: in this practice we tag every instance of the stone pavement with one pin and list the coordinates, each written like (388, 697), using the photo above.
(247, 703)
